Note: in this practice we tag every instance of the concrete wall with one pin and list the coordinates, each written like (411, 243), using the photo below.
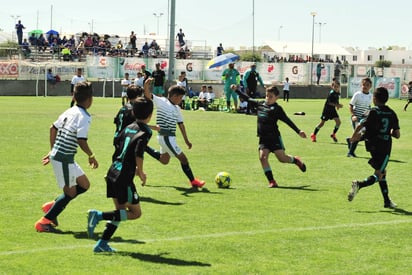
(32, 88)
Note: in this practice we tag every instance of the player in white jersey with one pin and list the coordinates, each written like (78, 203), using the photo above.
(76, 79)
(169, 115)
(360, 103)
(67, 133)
(125, 83)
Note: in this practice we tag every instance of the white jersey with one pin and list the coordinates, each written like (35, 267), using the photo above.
(210, 96)
(168, 115)
(125, 83)
(77, 79)
(139, 81)
(361, 103)
(72, 125)
(286, 86)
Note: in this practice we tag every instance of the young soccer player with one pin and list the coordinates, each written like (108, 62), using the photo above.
(167, 117)
(329, 112)
(68, 132)
(125, 116)
(270, 140)
(127, 162)
(359, 104)
(409, 96)
(76, 79)
(125, 83)
(378, 128)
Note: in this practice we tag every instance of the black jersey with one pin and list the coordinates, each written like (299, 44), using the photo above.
(268, 116)
(333, 98)
(123, 118)
(379, 125)
(129, 144)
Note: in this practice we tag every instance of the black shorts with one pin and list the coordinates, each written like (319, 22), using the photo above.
(327, 115)
(271, 143)
(379, 161)
(124, 190)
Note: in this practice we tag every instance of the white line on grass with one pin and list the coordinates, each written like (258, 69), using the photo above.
(217, 235)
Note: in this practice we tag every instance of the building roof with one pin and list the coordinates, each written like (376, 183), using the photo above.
(287, 47)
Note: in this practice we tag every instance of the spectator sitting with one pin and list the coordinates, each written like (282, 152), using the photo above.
(33, 39)
(42, 43)
(192, 93)
(210, 96)
(242, 106)
(88, 44)
(181, 54)
(25, 48)
(145, 49)
(188, 54)
(54, 46)
(53, 79)
(67, 54)
(201, 100)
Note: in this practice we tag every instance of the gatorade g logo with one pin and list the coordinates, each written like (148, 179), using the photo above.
(189, 67)
(295, 70)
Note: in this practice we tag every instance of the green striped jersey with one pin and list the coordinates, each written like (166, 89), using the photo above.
(71, 125)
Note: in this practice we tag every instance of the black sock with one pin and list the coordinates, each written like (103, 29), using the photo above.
(186, 169)
(111, 216)
(335, 130)
(60, 204)
(269, 174)
(368, 181)
(353, 146)
(384, 189)
(316, 130)
(153, 153)
(109, 231)
(80, 190)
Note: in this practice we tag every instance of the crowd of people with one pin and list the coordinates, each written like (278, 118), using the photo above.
(76, 46)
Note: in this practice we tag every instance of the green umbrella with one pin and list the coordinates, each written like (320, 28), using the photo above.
(36, 32)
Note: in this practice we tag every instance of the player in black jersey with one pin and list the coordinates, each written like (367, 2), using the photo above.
(377, 128)
(130, 146)
(270, 141)
(329, 112)
(125, 117)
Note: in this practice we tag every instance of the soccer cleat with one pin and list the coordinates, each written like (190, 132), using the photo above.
(390, 204)
(354, 190)
(351, 155)
(44, 225)
(46, 207)
(273, 184)
(92, 221)
(300, 164)
(198, 183)
(103, 246)
(348, 142)
(313, 137)
(333, 136)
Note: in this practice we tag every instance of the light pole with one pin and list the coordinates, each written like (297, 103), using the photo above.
(280, 27)
(158, 15)
(15, 17)
(320, 30)
(313, 14)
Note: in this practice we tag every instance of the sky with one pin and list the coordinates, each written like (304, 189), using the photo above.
(234, 23)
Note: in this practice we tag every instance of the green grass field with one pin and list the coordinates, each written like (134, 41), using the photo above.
(305, 226)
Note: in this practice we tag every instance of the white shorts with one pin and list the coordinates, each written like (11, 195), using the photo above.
(66, 173)
(168, 145)
(124, 94)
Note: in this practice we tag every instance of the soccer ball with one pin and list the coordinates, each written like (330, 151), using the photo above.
(223, 180)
